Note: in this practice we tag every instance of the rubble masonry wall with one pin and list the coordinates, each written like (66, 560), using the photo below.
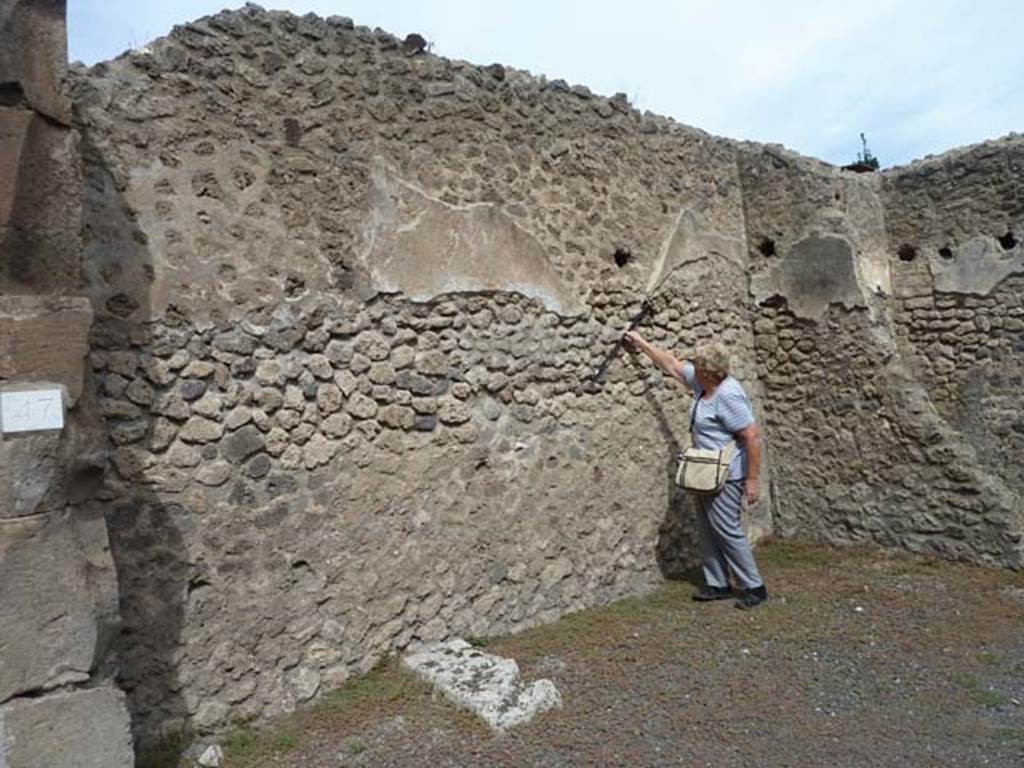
(348, 303)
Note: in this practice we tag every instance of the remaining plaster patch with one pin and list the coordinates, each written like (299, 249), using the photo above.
(817, 272)
(977, 267)
(487, 685)
(692, 241)
(424, 248)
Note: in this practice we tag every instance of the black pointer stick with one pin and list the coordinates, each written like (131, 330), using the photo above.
(602, 370)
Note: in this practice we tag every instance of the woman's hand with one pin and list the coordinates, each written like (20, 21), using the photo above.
(634, 341)
(752, 490)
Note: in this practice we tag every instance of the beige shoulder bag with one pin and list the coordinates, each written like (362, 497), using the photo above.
(704, 470)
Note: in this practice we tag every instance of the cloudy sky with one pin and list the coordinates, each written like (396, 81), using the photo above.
(918, 76)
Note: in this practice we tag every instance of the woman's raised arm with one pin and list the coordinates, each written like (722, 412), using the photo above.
(663, 359)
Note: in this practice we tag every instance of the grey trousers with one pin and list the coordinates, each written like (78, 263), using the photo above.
(724, 546)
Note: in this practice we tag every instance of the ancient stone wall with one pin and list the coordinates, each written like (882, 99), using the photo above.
(348, 307)
(348, 304)
(861, 454)
(957, 223)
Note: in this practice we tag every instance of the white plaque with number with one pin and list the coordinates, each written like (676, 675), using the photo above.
(31, 410)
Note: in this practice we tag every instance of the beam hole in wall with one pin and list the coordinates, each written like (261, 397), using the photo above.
(767, 247)
(11, 95)
(1008, 241)
(946, 252)
(294, 286)
(907, 252)
(121, 305)
(622, 256)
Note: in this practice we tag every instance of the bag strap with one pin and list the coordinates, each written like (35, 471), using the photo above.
(693, 419)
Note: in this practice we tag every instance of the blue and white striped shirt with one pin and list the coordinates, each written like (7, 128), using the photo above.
(719, 417)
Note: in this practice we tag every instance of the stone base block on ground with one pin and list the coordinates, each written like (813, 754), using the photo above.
(485, 684)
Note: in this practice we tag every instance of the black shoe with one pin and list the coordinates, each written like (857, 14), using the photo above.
(706, 594)
(752, 598)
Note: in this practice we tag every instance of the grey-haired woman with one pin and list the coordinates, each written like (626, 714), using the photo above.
(720, 413)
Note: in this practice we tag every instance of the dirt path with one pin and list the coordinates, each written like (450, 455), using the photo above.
(860, 659)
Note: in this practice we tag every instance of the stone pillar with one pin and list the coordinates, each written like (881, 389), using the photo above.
(58, 587)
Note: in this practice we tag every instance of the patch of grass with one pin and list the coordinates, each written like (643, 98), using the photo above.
(989, 658)
(1013, 579)
(249, 746)
(477, 642)
(626, 610)
(246, 746)
(167, 753)
(286, 741)
(570, 629)
(581, 629)
(1010, 735)
(384, 684)
(241, 742)
(357, 746)
(989, 698)
(639, 608)
(789, 554)
(906, 564)
(980, 694)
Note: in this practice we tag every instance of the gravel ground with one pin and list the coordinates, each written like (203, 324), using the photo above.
(859, 659)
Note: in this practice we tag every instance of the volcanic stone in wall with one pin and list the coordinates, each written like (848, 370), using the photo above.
(423, 247)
